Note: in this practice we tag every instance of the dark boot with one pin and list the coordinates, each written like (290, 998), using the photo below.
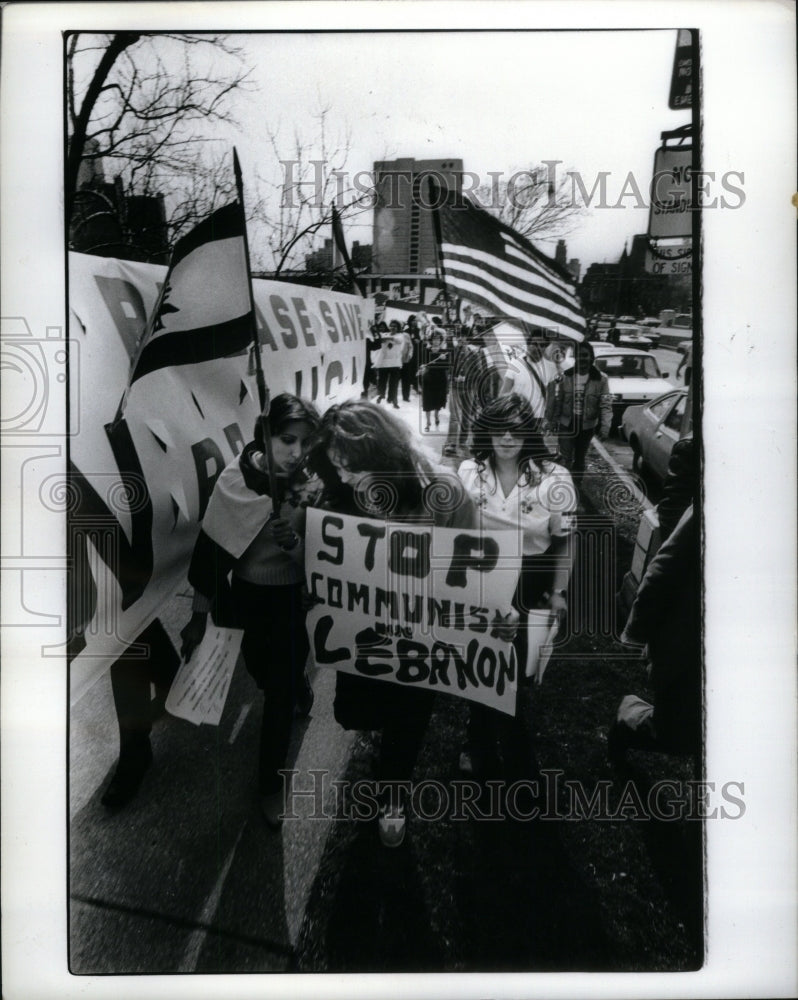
(135, 758)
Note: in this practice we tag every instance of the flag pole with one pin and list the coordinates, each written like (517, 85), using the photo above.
(340, 242)
(436, 224)
(263, 394)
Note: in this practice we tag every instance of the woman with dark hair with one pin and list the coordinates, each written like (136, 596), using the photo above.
(516, 484)
(247, 569)
(370, 467)
(578, 406)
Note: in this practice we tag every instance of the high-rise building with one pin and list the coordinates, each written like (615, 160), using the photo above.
(404, 238)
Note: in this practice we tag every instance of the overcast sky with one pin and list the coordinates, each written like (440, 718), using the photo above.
(596, 100)
(498, 100)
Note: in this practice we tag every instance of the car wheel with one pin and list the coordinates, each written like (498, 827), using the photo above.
(637, 458)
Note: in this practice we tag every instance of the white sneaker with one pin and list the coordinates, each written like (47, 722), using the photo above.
(391, 826)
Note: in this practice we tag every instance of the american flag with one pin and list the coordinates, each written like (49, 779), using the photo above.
(490, 264)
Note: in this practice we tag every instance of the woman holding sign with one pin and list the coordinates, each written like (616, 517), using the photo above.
(370, 468)
(265, 555)
(516, 485)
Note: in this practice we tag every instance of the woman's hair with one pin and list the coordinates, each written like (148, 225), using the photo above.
(511, 413)
(287, 409)
(585, 345)
(368, 439)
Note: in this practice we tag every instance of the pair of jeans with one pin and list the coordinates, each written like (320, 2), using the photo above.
(573, 447)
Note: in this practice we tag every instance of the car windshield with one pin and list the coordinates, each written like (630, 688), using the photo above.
(628, 366)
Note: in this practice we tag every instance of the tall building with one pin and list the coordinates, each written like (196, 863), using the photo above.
(404, 238)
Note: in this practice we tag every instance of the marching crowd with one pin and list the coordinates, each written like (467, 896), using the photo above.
(247, 568)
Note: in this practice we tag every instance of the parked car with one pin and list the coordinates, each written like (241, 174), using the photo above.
(653, 429)
(632, 335)
(634, 377)
(635, 337)
(650, 321)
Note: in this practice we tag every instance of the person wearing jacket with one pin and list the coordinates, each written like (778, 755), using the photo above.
(665, 618)
(247, 570)
(578, 406)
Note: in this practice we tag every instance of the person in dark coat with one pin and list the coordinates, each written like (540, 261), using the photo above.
(434, 374)
(665, 618)
(680, 486)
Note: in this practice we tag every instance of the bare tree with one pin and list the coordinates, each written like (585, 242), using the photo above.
(534, 202)
(295, 201)
(145, 106)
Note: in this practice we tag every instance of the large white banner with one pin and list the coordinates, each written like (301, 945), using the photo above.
(413, 604)
(138, 488)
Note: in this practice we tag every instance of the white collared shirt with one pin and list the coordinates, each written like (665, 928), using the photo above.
(540, 511)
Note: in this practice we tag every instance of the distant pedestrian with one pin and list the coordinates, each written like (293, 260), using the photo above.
(434, 375)
(687, 364)
(472, 385)
(529, 374)
(373, 341)
(579, 405)
(388, 364)
(407, 371)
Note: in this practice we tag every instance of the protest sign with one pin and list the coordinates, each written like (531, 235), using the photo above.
(138, 487)
(390, 353)
(413, 604)
(199, 691)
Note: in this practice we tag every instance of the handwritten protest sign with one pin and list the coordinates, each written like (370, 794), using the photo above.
(413, 604)
(199, 690)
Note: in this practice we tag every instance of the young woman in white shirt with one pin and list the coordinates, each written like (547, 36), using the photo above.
(516, 484)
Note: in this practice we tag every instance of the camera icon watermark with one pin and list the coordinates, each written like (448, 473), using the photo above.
(34, 372)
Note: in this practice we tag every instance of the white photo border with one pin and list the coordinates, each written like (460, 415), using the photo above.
(749, 421)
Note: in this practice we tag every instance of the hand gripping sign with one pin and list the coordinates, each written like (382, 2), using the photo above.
(415, 605)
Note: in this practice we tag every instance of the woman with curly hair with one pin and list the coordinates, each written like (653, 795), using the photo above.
(516, 484)
(247, 569)
(370, 467)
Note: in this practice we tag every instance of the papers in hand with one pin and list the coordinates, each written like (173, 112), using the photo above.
(542, 629)
(199, 690)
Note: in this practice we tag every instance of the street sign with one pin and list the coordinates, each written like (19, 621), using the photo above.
(665, 265)
(681, 95)
(671, 193)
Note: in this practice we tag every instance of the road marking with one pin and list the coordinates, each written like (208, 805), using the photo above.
(240, 721)
(197, 940)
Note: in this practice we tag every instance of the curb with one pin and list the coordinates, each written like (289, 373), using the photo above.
(641, 498)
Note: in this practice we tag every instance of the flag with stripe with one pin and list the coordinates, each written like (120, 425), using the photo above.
(205, 308)
(491, 265)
